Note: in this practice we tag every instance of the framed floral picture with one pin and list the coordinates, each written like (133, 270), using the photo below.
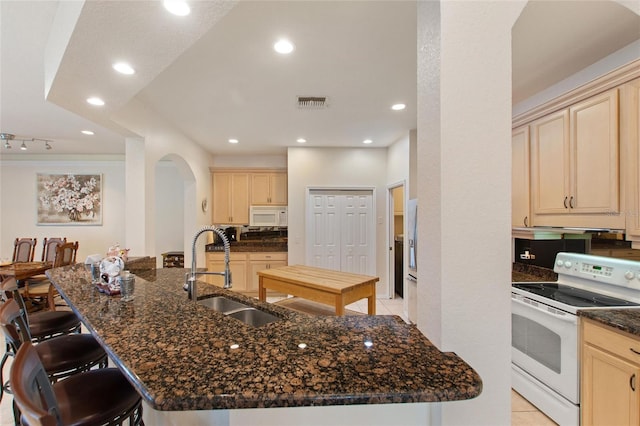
(69, 199)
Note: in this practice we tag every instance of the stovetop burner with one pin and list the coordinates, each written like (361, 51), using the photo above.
(573, 296)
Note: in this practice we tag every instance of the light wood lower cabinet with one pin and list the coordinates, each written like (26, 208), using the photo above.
(244, 267)
(237, 266)
(610, 376)
(262, 261)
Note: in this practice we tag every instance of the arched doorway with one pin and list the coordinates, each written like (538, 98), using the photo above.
(174, 194)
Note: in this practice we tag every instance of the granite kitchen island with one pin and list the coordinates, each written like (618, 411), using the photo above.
(184, 357)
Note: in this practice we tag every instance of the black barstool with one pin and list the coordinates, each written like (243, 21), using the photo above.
(102, 396)
(61, 356)
(41, 325)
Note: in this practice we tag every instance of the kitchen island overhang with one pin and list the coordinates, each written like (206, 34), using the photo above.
(180, 355)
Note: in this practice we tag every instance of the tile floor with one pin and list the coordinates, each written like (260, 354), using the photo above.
(522, 412)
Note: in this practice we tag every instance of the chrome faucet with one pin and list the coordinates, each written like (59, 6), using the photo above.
(190, 278)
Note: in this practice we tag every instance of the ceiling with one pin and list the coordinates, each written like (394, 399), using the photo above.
(213, 75)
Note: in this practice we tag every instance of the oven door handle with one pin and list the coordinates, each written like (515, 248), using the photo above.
(563, 317)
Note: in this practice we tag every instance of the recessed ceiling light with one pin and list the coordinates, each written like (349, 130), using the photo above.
(95, 101)
(301, 140)
(367, 141)
(177, 7)
(283, 46)
(87, 132)
(233, 140)
(123, 68)
(398, 107)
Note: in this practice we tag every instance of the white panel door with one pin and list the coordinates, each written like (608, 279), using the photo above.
(356, 232)
(324, 238)
(341, 231)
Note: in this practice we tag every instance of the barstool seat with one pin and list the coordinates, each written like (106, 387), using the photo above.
(101, 396)
(47, 324)
(95, 397)
(42, 324)
(69, 354)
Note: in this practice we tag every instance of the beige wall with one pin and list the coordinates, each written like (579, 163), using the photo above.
(464, 212)
(18, 200)
(331, 168)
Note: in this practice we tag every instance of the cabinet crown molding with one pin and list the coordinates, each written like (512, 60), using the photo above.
(608, 81)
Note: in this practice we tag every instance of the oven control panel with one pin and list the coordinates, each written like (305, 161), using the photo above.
(596, 269)
(607, 270)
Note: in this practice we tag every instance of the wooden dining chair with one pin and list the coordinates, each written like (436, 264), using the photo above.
(48, 255)
(65, 254)
(38, 291)
(49, 246)
(24, 249)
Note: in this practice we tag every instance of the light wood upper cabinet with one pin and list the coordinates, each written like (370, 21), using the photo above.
(230, 198)
(520, 177)
(269, 189)
(550, 163)
(595, 179)
(630, 138)
(575, 164)
(610, 376)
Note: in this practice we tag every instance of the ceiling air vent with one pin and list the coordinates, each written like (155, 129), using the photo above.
(313, 102)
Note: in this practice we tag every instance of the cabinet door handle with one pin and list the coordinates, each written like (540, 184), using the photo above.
(632, 382)
(634, 351)
(571, 202)
(565, 202)
(526, 221)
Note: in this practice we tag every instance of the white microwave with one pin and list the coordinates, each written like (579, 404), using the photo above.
(268, 216)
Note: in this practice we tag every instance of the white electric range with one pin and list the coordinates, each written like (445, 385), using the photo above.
(545, 354)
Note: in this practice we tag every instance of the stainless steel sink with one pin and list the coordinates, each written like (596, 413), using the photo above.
(253, 317)
(222, 304)
(239, 311)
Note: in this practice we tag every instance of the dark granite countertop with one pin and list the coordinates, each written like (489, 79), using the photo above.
(627, 320)
(523, 272)
(178, 353)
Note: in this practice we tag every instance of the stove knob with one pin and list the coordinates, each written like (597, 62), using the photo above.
(559, 262)
(567, 264)
(629, 275)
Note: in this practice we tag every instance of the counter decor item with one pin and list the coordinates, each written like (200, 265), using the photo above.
(115, 250)
(126, 281)
(110, 268)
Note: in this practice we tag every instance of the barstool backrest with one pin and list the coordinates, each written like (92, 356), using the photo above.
(13, 325)
(32, 391)
(9, 291)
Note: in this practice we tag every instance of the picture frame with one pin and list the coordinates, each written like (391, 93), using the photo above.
(69, 199)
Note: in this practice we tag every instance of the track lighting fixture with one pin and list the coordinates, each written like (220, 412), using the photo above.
(7, 137)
